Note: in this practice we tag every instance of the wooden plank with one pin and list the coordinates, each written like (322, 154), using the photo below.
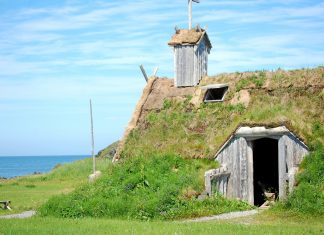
(236, 169)
(225, 187)
(282, 167)
(155, 71)
(250, 172)
(195, 75)
(230, 156)
(208, 187)
(221, 185)
(243, 169)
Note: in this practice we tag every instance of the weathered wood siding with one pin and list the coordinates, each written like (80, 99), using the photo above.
(291, 153)
(190, 62)
(200, 61)
(237, 157)
(184, 69)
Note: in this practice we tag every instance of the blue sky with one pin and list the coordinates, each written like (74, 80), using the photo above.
(55, 55)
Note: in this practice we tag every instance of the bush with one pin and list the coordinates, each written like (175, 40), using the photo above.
(156, 187)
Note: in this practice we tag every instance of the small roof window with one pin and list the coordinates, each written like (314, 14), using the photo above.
(215, 93)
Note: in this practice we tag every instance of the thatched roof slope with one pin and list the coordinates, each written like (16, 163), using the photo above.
(188, 36)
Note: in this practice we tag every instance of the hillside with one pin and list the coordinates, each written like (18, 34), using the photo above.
(173, 136)
(176, 120)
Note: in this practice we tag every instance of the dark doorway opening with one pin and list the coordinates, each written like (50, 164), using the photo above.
(265, 168)
(215, 94)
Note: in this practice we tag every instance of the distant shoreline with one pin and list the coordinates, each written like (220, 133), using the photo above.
(20, 166)
(74, 155)
(35, 173)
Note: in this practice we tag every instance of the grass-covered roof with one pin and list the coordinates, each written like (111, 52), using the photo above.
(197, 130)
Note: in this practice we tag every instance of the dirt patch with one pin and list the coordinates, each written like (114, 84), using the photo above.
(154, 94)
(241, 97)
(164, 88)
(22, 215)
(225, 216)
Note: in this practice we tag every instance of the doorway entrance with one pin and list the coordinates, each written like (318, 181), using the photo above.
(265, 169)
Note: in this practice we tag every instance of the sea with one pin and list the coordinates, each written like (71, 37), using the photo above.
(12, 166)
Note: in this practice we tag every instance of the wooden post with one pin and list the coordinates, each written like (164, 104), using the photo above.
(144, 73)
(92, 141)
(155, 71)
(250, 172)
(282, 152)
(190, 11)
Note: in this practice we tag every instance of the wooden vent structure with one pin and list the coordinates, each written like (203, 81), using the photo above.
(215, 93)
(191, 50)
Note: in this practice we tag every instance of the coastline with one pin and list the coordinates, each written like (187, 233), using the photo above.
(20, 166)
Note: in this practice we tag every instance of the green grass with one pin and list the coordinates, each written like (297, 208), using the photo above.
(162, 182)
(308, 197)
(30, 192)
(255, 80)
(260, 224)
(154, 187)
(198, 132)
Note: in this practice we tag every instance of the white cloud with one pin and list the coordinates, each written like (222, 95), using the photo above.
(56, 57)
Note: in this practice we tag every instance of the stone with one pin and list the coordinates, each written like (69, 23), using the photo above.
(93, 177)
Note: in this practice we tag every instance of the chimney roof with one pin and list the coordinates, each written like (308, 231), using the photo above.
(188, 36)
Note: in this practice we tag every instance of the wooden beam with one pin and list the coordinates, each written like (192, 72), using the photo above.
(144, 73)
(190, 11)
(155, 71)
(190, 14)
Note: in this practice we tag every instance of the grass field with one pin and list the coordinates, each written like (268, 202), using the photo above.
(265, 223)
(29, 192)
(32, 191)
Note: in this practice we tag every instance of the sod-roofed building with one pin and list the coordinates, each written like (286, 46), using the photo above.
(191, 49)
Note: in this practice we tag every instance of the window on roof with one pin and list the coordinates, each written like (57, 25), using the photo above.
(215, 94)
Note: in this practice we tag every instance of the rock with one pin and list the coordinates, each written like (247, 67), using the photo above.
(111, 153)
(198, 97)
(92, 178)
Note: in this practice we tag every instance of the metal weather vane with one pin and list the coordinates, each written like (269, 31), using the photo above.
(190, 11)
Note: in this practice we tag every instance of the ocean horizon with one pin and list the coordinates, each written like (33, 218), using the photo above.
(13, 166)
